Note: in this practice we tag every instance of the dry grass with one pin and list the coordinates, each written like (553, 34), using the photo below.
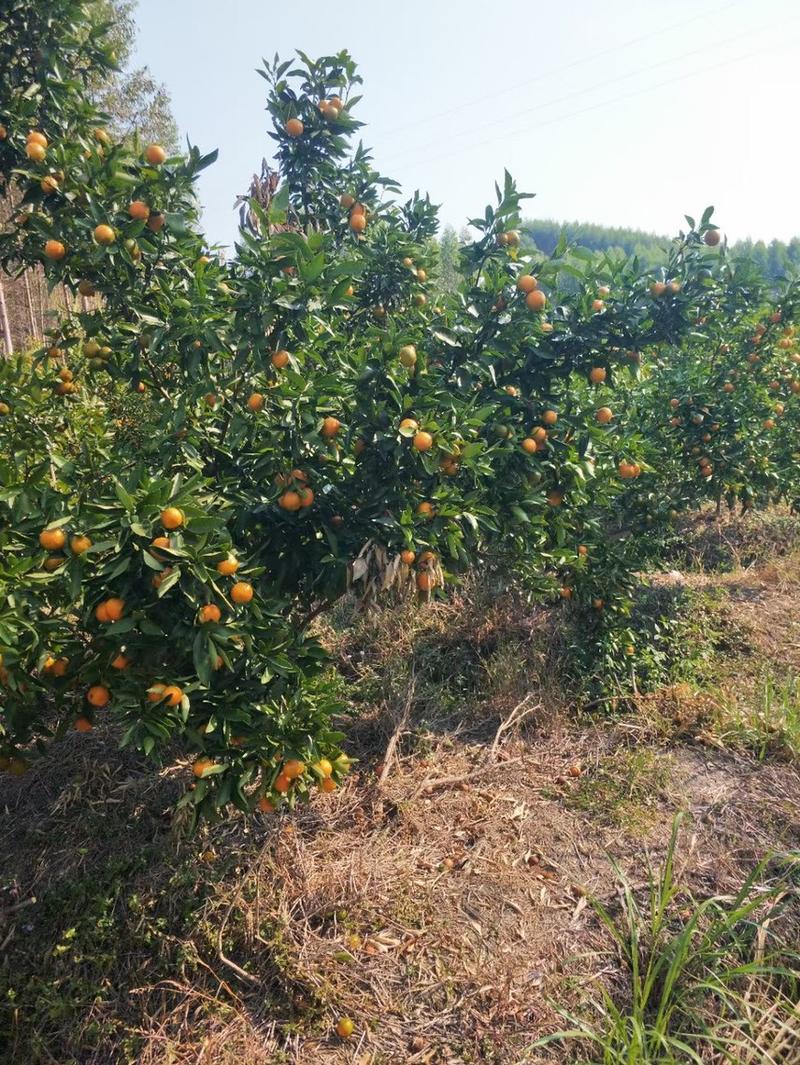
(439, 899)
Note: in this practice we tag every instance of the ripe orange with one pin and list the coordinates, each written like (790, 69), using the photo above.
(265, 806)
(120, 662)
(728, 387)
(327, 784)
(529, 445)
(35, 137)
(79, 544)
(358, 223)
(598, 604)
(597, 375)
(555, 498)
(156, 221)
(114, 608)
(282, 784)
(604, 415)
(280, 359)
(35, 152)
(422, 441)
(290, 500)
(425, 510)
(583, 550)
(603, 291)
(201, 765)
(527, 283)
(658, 288)
(407, 557)
(330, 427)
(228, 566)
(293, 769)
(565, 592)
(52, 539)
(49, 185)
(306, 496)
(209, 612)
(82, 724)
(294, 127)
(768, 423)
(171, 518)
(154, 154)
(346, 200)
(104, 235)
(425, 581)
(139, 210)
(255, 402)
(344, 1027)
(172, 695)
(324, 767)
(422, 275)
(155, 693)
(539, 435)
(242, 592)
(55, 250)
(419, 299)
(597, 306)
(98, 695)
(53, 563)
(550, 417)
(536, 300)
(409, 423)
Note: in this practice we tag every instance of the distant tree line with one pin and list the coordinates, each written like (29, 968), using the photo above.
(774, 260)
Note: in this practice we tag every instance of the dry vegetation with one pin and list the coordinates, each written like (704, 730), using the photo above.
(442, 899)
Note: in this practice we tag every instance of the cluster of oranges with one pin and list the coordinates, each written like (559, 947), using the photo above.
(297, 494)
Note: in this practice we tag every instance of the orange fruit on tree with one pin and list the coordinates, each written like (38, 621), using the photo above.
(422, 441)
(529, 445)
(358, 223)
(282, 784)
(603, 415)
(597, 375)
(290, 500)
(539, 435)
(120, 662)
(104, 234)
(255, 402)
(294, 128)
(408, 355)
(409, 423)
(306, 495)
(597, 306)
(330, 427)
(527, 283)
(293, 769)
(242, 592)
(555, 498)
(155, 693)
(49, 185)
(425, 509)
(115, 608)
(53, 563)
(536, 300)
(52, 539)
(156, 221)
(550, 417)
(228, 566)
(171, 518)
(425, 581)
(80, 544)
(346, 200)
(209, 612)
(36, 137)
(98, 695)
(154, 154)
(35, 152)
(139, 210)
(265, 805)
(82, 724)
(407, 557)
(324, 767)
(55, 250)
(583, 550)
(280, 359)
(201, 766)
(565, 592)
(172, 695)
(658, 288)
(327, 784)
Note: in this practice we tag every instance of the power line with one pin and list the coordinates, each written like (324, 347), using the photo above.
(606, 103)
(592, 88)
(566, 66)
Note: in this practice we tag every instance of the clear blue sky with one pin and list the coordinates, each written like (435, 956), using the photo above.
(623, 113)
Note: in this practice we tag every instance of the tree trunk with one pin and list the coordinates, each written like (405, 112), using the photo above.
(4, 322)
(31, 313)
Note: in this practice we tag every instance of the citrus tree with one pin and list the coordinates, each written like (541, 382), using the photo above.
(211, 453)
